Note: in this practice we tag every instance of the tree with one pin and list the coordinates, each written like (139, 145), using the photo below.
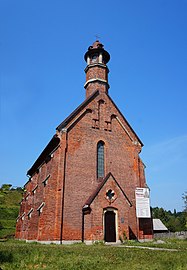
(175, 221)
(19, 189)
(184, 196)
(6, 187)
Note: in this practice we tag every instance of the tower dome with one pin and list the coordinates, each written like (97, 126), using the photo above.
(97, 48)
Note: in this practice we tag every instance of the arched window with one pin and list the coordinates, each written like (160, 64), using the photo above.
(100, 159)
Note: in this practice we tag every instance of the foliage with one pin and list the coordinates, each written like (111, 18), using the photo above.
(9, 208)
(21, 255)
(6, 187)
(184, 196)
(1, 226)
(175, 221)
(185, 207)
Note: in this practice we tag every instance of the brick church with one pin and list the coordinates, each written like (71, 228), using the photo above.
(82, 186)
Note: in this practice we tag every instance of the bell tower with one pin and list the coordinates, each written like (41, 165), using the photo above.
(96, 70)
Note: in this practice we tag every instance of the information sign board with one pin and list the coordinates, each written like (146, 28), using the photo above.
(142, 203)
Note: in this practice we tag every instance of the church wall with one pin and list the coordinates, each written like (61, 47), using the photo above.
(47, 225)
(80, 181)
(121, 158)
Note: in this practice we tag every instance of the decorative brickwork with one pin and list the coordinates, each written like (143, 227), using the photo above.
(64, 199)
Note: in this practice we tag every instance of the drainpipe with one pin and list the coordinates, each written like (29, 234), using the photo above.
(63, 183)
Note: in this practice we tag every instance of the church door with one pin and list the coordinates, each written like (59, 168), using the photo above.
(110, 226)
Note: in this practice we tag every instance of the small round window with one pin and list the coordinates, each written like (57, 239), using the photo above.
(110, 194)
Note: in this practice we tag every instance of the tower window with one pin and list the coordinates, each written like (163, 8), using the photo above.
(100, 159)
(94, 58)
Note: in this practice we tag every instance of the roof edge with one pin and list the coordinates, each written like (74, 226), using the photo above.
(99, 187)
(125, 119)
(77, 110)
(54, 142)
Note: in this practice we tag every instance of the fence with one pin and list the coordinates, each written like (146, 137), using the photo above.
(178, 235)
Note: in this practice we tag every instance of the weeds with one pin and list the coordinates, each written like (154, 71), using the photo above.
(21, 255)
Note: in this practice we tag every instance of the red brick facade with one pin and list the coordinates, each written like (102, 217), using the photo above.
(64, 199)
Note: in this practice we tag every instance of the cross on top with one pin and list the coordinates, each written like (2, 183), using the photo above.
(97, 37)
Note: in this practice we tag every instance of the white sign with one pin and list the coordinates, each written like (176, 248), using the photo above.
(142, 203)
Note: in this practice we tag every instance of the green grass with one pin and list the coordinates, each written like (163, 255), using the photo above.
(20, 255)
(9, 209)
(7, 232)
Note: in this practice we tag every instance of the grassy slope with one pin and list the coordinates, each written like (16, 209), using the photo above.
(9, 209)
(19, 255)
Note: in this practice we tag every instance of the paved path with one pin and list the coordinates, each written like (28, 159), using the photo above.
(150, 248)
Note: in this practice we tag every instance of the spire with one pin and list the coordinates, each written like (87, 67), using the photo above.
(96, 69)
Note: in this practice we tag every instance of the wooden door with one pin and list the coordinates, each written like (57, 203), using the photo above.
(110, 226)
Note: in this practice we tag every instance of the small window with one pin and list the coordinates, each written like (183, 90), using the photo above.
(46, 180)
(30, 213)
(40, 208)
(110, 194)
(34, 189)
(27, 196)
(100, 159)
(23, 216)
(21, 201)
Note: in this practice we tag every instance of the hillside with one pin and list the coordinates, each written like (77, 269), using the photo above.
(9, 209)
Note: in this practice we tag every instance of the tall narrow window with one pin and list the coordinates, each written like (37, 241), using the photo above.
(100, 159)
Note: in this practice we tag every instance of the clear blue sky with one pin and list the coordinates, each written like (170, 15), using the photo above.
(42, 44)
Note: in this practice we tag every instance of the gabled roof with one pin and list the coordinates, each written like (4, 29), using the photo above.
(77, 110)
(158, 225)
(54, 142)
(84, 104)
(99, 187)
(124, 119)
